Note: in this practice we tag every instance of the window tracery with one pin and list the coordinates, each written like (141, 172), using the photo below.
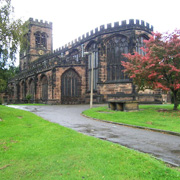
(116, 46)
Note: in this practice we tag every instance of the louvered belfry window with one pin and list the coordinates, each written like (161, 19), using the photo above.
(41, 40)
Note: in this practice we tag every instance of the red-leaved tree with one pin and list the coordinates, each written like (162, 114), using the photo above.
(159, 68)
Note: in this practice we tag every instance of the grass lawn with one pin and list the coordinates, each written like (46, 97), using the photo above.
(32, 148)
(151, 116)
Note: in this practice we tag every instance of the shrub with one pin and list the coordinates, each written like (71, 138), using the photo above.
(28, 97)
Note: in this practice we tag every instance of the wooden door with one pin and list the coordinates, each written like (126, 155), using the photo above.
(70, 87)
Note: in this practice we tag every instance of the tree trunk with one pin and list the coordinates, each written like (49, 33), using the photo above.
(175, 97)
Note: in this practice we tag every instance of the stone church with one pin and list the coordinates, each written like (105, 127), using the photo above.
(63, 76)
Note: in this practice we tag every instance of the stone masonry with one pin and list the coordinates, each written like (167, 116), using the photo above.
(63, 76)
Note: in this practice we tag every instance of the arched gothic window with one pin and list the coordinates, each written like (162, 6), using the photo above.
(139, 44)
(41, 40)
(116, 46)
(93, 49)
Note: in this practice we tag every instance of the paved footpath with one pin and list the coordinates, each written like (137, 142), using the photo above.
(162, 146)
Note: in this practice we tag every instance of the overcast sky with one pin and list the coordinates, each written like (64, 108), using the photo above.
(73, 18)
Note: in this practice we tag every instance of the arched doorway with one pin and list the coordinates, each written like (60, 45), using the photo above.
(44, 85)
(70, 87)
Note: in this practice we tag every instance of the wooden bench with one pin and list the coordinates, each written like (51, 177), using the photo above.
(123, 105)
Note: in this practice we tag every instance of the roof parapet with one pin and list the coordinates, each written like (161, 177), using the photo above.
(40, 23)
(135, 24)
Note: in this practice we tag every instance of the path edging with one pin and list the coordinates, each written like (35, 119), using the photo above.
(134, 126)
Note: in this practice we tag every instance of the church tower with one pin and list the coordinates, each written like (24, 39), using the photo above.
(39, 39)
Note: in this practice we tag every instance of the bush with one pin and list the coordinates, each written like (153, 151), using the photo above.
(28, 97)
(1, 100)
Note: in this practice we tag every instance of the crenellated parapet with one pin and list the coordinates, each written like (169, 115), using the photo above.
(40, 23)
(107, 29)
(59, 53)
(59, 58)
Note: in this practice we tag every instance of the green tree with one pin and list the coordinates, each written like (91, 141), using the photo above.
(5, 74)
(10, 36)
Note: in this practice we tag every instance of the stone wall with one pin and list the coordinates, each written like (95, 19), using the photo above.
(70, 57)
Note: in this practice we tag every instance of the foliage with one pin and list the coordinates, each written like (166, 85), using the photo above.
(32, 148)
(28, 97)
(163, 117)
(5, 74)
(160, 67)
(24, 43)
(1, 100)
(10, 33)
(3, 84)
